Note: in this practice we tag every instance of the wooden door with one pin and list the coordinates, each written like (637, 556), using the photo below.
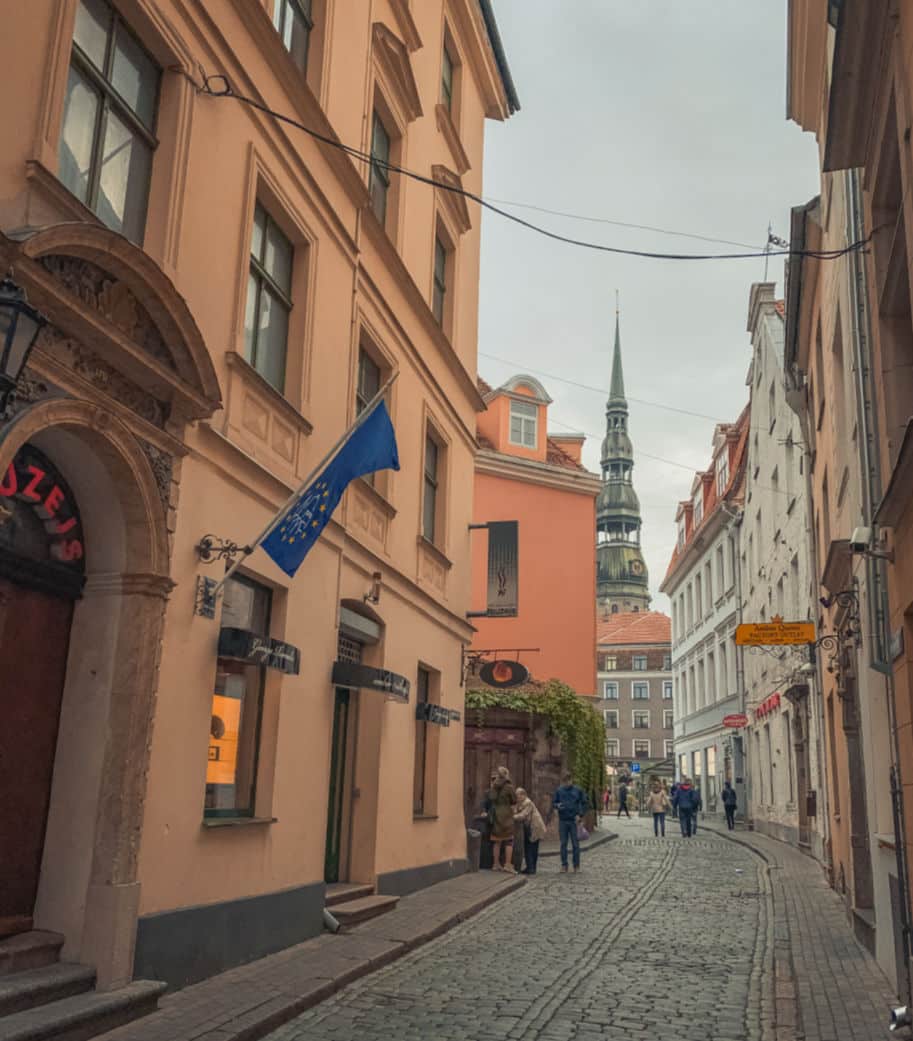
(337, 816)
(34, 637)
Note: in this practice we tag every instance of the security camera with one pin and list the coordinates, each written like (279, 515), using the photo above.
(860, 539)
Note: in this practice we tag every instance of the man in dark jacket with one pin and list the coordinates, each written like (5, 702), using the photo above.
(672, 793)
(570, 802)
(623, 801)
(686, 802)
(729, 804)
(698, 806)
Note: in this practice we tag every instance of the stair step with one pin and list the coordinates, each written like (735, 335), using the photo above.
(351, 912)
(340, 892)
(31, 950)
(23, 990)
(83, 1016)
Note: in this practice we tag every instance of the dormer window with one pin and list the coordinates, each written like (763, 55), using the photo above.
(722, 471)
(524, 418)
(698, 503)
(681, 532)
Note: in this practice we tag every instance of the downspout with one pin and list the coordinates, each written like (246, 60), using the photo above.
(876, 573)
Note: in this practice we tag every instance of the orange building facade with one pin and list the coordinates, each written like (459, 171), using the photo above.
(224, 293)
(526, 474)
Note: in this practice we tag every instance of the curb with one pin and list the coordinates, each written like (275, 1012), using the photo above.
(279, 1017)
(591, 844)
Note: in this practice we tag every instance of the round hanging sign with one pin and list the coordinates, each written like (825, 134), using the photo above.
(504, 673)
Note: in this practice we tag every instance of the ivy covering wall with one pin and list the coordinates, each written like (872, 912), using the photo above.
(578, 726)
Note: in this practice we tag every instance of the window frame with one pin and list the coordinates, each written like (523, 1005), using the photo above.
(667, 690)
(439, 279)
(448, 89)
(641, 741)
(606, 685)
(611, 663)
(668, 714)
(639, 663)
(614, 712)
(100, 82)
(640, 685)
(283, 7)
(525, 421)
(615, 753)
(431, 480)
(258, 271)
(379, 172)
(644, 712)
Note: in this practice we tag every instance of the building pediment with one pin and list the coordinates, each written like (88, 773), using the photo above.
(392, 59)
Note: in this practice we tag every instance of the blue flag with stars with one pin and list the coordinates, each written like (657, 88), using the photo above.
(371, 447)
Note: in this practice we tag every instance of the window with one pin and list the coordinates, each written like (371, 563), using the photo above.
(429, 504)
(422, 697)
(667, 662)
(523, 424)
(640, 691)
(611, 663)
(640, 719)
(439, 289)
(610, 691)
(641, 749)
(610, 717)
(293, 21)
(231, 768)
(639, 663)
(720, 572)
(667, 690)
(107, 137)
(367, 386)
(269, 301)
(722, 471)
(447, 79)
(698, 503)
(611, 748)
(681, 532)
(379, 181)
(667, 719)
(667, 749)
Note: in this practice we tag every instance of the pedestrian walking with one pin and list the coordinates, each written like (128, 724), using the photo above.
(529, 817)
(657, 804)
(729, 805)
(501, 800)
(623, 801)
(570, 802)
(698, 806)
(672, 799)
(685, 801)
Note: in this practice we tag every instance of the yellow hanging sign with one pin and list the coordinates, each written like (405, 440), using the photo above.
(774, 633)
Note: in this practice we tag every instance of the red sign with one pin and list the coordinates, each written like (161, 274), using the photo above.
(737, 719)
(767, 706)
(32, 481)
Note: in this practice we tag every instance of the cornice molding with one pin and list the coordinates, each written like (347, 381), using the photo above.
(392, 60)
(406, 23)
(532, 471)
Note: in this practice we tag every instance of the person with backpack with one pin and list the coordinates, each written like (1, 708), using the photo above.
(570, 802)
(657, 804)
(729, 804)
(686, 801)
(623, 801)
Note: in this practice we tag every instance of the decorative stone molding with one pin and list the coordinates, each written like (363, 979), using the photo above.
(407, 27)
(395, 68)
(452, 202)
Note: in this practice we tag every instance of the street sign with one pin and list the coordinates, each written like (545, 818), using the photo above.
(737, 719)
(774, 633)
(635, 768)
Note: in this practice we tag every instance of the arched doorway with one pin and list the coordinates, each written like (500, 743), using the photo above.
(42, 565)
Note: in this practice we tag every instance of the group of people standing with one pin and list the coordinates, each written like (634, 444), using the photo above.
(514, 818)
(683, 801)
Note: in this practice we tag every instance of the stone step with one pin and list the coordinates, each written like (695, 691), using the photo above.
(23, 990)
(340, 892)
(83, 1016)
(31, 950)
(352, 912)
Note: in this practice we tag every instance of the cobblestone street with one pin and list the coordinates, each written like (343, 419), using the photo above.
(653, 939)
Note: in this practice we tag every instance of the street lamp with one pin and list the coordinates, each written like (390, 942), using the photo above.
(20, 324)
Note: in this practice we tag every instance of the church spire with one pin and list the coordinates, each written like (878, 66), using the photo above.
(617, 387)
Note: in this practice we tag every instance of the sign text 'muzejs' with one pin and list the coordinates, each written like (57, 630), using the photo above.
(774, 633)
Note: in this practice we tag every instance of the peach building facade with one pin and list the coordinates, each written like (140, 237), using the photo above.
(536, 478)
(224, 292)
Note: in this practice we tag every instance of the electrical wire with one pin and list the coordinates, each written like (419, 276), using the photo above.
(227, 91)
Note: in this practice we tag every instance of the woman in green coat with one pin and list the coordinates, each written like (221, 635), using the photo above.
(502, 799)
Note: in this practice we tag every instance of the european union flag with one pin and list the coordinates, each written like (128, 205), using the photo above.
(371, 447)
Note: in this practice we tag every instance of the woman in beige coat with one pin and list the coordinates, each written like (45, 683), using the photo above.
(657, 804)
(533, 830)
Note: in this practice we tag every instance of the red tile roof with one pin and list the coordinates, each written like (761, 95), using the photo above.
(633, 627)
(557, 456)
(483, 385)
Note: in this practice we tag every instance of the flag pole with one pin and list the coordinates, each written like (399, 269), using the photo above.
(296, 495)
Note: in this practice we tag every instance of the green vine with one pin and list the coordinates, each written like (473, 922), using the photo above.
(578, 726)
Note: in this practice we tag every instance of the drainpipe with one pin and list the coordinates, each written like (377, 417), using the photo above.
(876, 576)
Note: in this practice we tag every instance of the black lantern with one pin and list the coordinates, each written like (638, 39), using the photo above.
(19, 327)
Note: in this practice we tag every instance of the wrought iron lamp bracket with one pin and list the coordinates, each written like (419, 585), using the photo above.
(211, 549)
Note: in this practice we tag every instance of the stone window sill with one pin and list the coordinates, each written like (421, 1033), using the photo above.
(424, 817)
(236, 822)
(276, 398)
(435, 552)
(378, 498)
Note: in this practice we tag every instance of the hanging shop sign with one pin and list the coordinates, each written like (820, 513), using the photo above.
(363, 677)
(503, 674)
(736, 720)
(775, 633)
(428, 713)
(768, 705)
(33, 486)
(243, 645)
(503, 570)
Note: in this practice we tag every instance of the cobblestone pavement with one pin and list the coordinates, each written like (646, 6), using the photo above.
(669, 940)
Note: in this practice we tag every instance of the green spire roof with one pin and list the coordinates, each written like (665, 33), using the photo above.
(617, 389)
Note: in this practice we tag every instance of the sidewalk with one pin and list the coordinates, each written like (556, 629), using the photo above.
(250, 1001)
(827, 985)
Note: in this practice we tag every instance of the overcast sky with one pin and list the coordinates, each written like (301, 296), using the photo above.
(654, 113)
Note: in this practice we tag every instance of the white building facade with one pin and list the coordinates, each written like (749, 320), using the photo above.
(782, 697)
(703, 584)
